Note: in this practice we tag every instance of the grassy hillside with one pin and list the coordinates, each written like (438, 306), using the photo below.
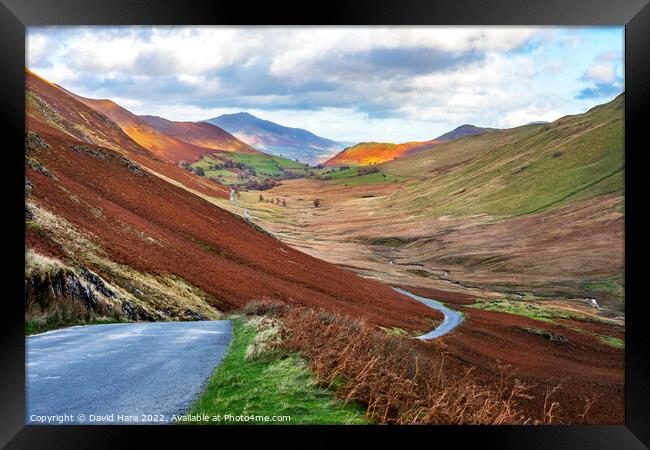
(518, 171)
(357, 176)
(371, 178)
(373, 153)
(452, 154)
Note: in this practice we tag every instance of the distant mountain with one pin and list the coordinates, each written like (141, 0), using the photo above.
(378, 152)
(293, 143)
(200, 133)
(461, 131)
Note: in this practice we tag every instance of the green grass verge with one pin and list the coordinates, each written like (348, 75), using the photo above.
(534, 310)
(277, 384)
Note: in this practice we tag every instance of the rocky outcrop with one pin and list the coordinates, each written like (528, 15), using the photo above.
(78, 291)
(33, 141)
(103, 154)
(73, 293)
(32, 163)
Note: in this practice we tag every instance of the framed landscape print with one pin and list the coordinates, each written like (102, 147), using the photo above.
(423, 216)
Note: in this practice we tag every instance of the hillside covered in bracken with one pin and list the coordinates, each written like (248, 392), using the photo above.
(110, 224)
(202, 134)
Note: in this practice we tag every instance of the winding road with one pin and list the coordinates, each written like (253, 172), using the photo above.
(452, 318)
(116, 373)
(134, 373)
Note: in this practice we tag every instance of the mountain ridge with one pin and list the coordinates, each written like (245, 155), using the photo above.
(52, 109)
(379, 152)
(165, 146)
(203, 134)
(523, 169)
(280, 140)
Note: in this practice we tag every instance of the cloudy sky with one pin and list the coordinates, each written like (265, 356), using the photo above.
(391, 84)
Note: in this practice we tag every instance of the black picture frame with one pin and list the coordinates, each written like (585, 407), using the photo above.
(15, 15)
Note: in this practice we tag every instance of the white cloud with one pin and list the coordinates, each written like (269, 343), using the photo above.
(481, 92)
(129, 103)
(58, 73)
(603, 69)
(299, 51)
(530, 113)
(37, 49)
(195, 51)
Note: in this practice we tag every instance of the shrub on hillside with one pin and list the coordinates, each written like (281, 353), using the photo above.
(263, 185)
(367, 170)
(269, 336)
(263, 308)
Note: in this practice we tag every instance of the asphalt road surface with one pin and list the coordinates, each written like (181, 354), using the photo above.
(452, 318)
(127, 373)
